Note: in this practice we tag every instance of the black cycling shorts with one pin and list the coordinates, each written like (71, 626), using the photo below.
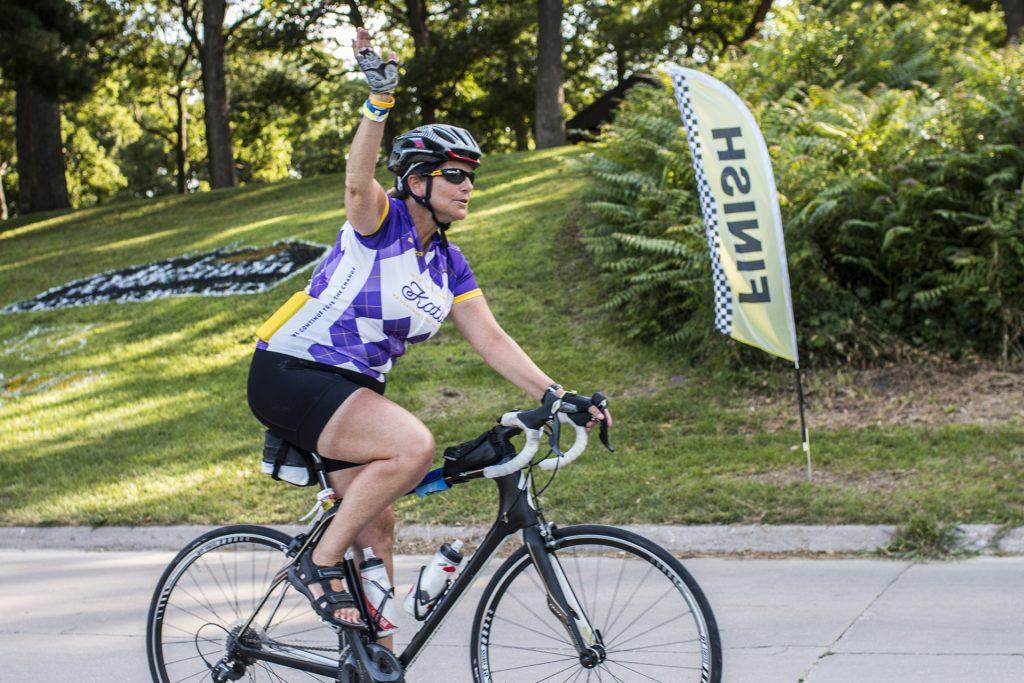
(296, 398)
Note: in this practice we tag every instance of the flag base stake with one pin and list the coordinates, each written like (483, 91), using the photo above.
(803, 421)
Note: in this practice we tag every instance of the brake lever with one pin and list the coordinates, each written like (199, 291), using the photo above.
(556, 432)
(601, 401)
(604, 436)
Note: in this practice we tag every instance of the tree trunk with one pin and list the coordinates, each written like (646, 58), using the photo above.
(620, 65)
(1013, 10)
(181, 140)
(4, 215)
(419, 28)
(219, 151)
(549, 123)
(522, 131)
(42, 185)
(355, 15)
(759, 14)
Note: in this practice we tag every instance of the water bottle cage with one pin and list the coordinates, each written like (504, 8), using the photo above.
(388, 595)
(429, 606)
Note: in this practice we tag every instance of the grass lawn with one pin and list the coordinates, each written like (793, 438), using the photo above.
(143, 418)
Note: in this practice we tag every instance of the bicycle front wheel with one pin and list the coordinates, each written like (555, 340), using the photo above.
(206, 596)
(652, 617)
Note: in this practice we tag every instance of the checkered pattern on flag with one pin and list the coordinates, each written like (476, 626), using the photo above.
(740, 207)
(723, 295)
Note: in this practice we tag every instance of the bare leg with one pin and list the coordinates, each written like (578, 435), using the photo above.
(397, 449)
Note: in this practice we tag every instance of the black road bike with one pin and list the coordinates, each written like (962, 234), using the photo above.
(575, 603)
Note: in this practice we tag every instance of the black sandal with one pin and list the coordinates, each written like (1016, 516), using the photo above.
(306, 573)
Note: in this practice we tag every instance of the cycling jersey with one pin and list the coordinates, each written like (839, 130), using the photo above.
(371, 297)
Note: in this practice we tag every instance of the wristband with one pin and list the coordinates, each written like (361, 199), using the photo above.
(375, 112)
(382, 100)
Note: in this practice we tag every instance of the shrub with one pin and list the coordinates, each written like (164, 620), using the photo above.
(899, 163)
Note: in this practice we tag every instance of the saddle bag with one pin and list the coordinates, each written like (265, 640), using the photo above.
(286, 462)
(489, 448)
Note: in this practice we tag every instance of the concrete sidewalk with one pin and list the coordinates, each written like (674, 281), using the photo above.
(77, 615)
(711, 539)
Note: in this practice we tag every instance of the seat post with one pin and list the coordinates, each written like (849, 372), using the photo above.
(321, 472)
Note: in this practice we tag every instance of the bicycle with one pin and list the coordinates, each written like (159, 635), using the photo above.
(570, 604)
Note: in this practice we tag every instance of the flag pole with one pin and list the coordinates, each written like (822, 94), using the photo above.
(803, 420)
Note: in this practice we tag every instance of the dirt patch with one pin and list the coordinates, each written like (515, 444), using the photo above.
(906, 395)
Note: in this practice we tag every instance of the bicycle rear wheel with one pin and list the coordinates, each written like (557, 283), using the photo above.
(653, 618)
(208, 592)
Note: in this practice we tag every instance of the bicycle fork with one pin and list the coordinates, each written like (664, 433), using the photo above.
(562, 600)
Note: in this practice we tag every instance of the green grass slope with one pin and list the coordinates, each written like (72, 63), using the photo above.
(142, 419)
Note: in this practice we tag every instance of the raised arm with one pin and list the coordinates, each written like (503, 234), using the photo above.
(364, 197)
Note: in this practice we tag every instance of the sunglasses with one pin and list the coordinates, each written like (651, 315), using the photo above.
(455, 176)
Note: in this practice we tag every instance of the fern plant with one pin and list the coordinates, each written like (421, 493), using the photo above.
(897, 139)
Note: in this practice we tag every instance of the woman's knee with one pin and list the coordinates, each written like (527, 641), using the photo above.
(419, 449)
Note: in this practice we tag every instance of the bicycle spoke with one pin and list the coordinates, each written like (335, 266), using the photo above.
(532, 630)
(527, 666)
(609, 672)
(205, 602)
(615, 593)
(643, 633)
(185, 659)
(578, 674)
(650, 568)
(554, 631)
(648, 647)
(579, 578)
(558, 672)
(270, 671)
(591, 609)
(644, 613)
(213, 576)
(660, 666)
(191, 676)
(608, 661)
(534, 649)
(227, 579)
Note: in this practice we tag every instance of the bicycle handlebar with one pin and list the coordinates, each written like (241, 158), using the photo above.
(556, 413)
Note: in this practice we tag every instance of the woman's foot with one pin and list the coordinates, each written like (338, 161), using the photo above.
(323, 586)
(349, 614)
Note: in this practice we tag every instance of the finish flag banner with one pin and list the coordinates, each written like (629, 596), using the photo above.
(741, 214)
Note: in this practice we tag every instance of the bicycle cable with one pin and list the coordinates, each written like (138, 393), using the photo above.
(196, 641)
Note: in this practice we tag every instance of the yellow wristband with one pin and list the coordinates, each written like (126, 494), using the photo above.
(382, 100)
(375, 113)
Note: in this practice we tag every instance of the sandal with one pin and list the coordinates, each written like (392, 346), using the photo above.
(306, 573)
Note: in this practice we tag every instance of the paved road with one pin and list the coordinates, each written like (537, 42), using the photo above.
(75, 615)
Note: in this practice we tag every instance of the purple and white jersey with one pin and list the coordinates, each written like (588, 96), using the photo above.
(371, 297)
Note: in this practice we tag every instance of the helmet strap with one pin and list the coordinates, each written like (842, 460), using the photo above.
(424, 201)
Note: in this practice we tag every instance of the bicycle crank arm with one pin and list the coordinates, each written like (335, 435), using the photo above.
(561, 598)
(374, 660)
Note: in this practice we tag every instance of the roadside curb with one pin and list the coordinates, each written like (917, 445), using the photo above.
(700, 539)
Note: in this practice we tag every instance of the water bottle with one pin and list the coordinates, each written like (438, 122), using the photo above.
(433, 580)
(380, 596)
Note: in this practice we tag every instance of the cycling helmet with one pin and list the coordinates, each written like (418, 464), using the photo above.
(424, 149)
(432, 144)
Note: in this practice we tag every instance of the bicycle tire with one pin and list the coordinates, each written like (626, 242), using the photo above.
(488, 658)
(191, 595)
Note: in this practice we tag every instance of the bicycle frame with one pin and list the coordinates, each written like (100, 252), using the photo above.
(516, 512)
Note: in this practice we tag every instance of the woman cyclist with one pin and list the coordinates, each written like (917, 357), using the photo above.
(317, 377)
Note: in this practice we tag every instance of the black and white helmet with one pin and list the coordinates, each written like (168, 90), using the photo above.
(431, 144)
